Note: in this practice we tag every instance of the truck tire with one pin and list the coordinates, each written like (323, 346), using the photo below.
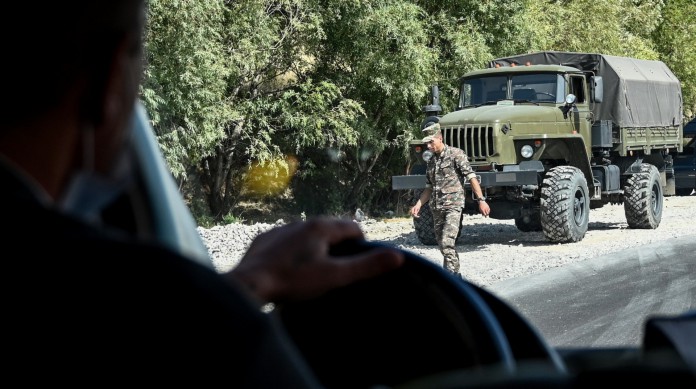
(425, 229)
(565, 205)
(643, 198)
(529, 223)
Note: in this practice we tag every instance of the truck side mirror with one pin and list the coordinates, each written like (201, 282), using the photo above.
(597, 88)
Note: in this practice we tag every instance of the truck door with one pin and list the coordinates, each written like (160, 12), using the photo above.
(581, 116)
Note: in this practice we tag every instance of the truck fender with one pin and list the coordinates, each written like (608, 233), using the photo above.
(573, 150)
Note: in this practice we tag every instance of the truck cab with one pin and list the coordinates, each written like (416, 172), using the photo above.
(513, 115)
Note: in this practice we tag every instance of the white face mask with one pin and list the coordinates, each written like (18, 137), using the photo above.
(88, 193)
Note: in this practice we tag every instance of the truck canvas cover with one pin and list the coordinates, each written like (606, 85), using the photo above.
(637, 92)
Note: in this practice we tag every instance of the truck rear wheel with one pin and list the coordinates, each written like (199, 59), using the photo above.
(565, 205)
(529, 223)
(643, 198)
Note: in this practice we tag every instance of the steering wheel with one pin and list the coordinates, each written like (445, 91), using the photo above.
(416, 322)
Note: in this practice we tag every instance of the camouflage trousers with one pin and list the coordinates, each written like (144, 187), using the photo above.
(447, 224)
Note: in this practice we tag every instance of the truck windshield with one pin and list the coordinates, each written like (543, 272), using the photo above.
(528, 87)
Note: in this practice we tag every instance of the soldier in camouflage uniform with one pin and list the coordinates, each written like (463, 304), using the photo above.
(444, 185)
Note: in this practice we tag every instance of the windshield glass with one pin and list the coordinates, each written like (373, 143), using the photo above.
(538, 87)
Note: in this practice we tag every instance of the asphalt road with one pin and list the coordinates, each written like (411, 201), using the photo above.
(603, 302)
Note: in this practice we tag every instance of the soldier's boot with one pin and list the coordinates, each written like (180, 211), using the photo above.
(451, 266)
(451, 263)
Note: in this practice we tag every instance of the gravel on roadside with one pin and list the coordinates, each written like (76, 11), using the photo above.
(490, 250)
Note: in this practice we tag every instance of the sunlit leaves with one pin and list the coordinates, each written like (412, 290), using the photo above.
(615, 27)
(184, 88)
(674, 38)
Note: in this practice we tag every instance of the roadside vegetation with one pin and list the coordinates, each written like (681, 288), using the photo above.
(306, 107)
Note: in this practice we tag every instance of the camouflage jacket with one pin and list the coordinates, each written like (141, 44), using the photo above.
(445, 175)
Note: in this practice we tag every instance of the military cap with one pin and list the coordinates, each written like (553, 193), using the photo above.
(430, 132)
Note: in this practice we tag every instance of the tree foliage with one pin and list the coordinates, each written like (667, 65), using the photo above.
(184, 87)
(674, 38)
(614, 27)
(280, 109)
(315, 101)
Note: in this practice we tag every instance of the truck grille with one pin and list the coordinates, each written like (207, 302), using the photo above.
(476, 141)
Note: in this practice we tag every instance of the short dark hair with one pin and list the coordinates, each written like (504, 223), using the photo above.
(48, 45)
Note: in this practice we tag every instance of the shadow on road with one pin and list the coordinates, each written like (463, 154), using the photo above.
(481, 234)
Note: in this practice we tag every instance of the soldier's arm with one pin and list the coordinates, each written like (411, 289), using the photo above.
(465, 168)
(476, 188)
(424, 197)
(484, 208)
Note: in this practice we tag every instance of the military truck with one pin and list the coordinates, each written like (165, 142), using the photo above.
(552, 135)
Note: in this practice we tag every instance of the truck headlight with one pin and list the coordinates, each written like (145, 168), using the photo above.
(427, 155)
(527, 151)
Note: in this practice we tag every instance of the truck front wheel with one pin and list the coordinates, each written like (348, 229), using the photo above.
(565, 205)
(643, 199)
(423, 224)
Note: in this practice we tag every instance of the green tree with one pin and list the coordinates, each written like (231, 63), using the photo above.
(385, 55)
(184, 87)
(279, 109)
(674, 39)
(377, 53)
(615, 27)
(496, 24)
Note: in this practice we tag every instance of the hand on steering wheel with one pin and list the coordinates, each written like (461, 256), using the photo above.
(413, 322)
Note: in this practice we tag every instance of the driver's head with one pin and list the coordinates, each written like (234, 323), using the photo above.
(70, 68)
